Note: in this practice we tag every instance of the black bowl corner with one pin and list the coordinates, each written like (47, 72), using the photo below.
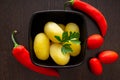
(37, 23)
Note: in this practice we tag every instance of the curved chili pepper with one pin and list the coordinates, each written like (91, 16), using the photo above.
(22, 56)
(94, 13)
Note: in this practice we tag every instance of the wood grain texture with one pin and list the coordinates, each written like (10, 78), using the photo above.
(16, 14)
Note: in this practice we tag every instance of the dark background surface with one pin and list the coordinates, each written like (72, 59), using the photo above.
(16, 14)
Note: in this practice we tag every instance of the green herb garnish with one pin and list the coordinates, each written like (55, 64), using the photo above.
(66, 48)
(72, 36)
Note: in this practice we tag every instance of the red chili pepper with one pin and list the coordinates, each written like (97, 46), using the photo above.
(94, 13)
(22, 55)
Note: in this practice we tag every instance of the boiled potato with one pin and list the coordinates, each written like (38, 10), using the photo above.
(76, 49)
(62, 26)
(41, 46)
(56, 54)
(52, 30)
(72, 27)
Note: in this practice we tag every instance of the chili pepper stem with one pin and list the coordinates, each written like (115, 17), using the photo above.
(13, 39)
(71, 1)
(67, 2)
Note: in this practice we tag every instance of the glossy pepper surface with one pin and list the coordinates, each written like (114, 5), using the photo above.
(91, 11)
(22, 56)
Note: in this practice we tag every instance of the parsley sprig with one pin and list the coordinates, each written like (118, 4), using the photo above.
(67, 37)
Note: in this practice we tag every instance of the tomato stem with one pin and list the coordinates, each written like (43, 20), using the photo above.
(13, 39)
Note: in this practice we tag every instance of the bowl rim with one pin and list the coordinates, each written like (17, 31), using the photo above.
(42, 11)
(54, 66)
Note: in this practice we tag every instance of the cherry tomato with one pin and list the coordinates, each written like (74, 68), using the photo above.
(95, 66)
(95, 41)
(108, 56)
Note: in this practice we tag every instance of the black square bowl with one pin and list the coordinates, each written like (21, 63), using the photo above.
(37, 23)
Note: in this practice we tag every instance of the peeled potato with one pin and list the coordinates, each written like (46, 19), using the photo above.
(41, 46)
(76, 49)
(72, 27)
(57, 55)
(52, 30)
(62, 26)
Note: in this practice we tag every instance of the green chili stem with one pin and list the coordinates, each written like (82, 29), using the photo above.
(13, 39)
(68, 2)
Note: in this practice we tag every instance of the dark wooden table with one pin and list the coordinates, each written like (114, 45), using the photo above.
(16, 14)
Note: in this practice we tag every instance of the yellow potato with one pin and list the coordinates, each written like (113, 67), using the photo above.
(41, 46)
(62, 26)
(56, 54)
(72, 27)
(52, 30)
(76, 49)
